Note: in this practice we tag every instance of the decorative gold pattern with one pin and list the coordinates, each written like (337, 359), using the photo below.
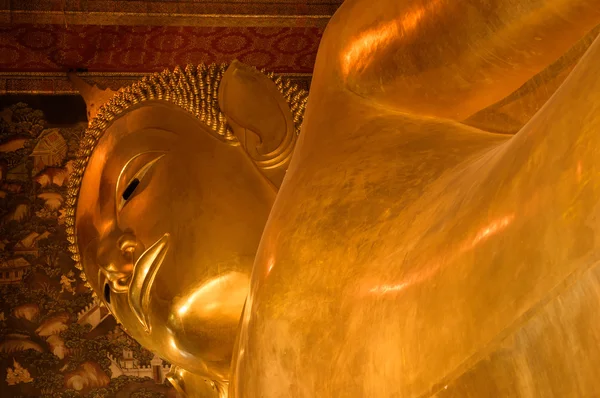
(194, 89)
(162, 19)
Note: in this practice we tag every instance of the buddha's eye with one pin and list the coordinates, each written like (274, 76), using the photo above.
(133, 186)
(130, 189)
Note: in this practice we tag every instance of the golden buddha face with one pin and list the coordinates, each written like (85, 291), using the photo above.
(168, 222)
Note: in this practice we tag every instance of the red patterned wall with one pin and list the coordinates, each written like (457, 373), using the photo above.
(56, 48)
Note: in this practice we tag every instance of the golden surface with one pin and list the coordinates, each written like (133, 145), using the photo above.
(409, 251)
(162, 19)
(237, 13)
(167, 249)
(410, 255)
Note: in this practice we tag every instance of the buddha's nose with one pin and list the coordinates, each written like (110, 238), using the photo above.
(116, 257)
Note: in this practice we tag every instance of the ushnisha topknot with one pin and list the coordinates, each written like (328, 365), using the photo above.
(195, 89)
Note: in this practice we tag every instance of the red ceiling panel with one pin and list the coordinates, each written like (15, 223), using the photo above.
(55, 48)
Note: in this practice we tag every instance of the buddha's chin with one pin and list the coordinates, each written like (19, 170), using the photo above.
(142, 280)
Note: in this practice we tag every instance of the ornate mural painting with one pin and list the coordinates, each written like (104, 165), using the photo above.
(55, 339)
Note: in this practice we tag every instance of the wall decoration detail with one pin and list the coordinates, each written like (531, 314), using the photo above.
(269, 13)
(56, 340)
(57, 48)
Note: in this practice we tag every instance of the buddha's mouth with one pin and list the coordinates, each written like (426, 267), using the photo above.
(144, 272)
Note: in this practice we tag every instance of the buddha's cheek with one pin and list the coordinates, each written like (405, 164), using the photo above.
(212, 341)
(204, 320)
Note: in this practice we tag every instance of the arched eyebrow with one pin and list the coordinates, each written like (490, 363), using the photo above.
(121, 194)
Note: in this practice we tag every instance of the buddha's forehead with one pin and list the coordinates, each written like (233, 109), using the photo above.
(120, 145)
(130, 136)
(114, 150)
(152, 127)
(149, 128)
(134, 133)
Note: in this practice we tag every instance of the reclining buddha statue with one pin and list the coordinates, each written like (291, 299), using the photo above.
(432, 230)
(172, 193)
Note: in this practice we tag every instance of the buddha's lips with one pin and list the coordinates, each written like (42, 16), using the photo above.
(144, 272)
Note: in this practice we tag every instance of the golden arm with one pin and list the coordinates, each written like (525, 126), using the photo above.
(446, 58)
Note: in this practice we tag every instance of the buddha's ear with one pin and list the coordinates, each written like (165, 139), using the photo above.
(258, 114)
(93, 96)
